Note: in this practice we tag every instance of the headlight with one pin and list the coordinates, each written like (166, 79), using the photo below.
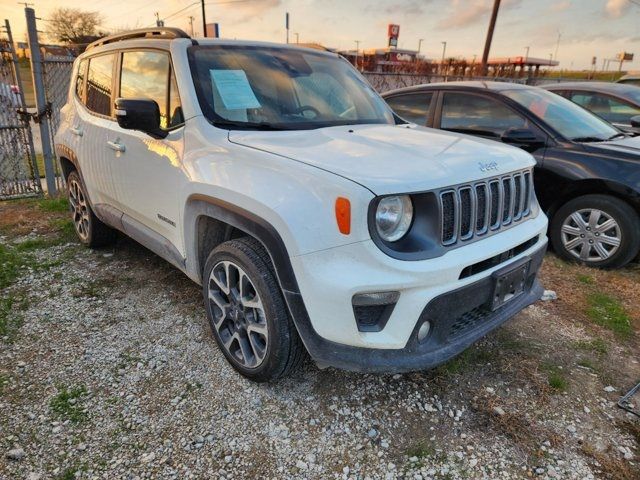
(393, 217)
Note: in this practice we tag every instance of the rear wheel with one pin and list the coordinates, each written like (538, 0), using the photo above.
(90, 230)
(596, 230)
(247, 313)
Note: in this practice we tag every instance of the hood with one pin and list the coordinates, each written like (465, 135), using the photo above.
(627, 148)
(390, 159)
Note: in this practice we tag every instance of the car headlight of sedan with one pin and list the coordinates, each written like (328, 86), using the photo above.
(393, 217)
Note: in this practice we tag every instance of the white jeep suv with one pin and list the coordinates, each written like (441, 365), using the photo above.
(313, 218)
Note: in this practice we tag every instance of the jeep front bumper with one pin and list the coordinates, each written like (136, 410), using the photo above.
(459, 309)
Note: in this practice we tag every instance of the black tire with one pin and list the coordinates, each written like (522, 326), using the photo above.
(627, 229)
(89, 229)
(282, 349)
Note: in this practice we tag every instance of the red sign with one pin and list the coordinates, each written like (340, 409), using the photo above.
(393, 32)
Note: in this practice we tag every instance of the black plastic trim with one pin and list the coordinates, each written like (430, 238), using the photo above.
(415, 355)
(382, 320)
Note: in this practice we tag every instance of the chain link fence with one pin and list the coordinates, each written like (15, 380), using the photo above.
(383, 82)
(18, 174)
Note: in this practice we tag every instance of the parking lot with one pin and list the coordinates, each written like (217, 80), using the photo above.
(108, 370)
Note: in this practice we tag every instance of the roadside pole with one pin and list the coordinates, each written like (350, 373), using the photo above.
(41, 100)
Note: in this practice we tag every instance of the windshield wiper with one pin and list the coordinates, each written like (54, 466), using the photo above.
(588, 139)
(617, 135)
(247, 125)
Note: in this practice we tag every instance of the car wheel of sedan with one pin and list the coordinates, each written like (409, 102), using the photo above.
(596, 230)
(90, 230)
(247, 313)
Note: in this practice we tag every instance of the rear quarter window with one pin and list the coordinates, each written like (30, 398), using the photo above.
(80, 78)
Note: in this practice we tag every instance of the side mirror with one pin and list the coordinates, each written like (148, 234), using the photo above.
(522, 137)
(635, 121)
(139, 114)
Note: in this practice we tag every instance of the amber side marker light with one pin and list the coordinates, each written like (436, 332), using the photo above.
(343, 215)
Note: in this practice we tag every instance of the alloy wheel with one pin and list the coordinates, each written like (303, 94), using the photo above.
(591, 235)
(79, 209)
(238, 313)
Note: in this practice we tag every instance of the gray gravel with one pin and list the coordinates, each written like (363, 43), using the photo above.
(150, 396)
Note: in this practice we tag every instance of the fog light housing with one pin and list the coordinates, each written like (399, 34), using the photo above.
(372, 310)
(423, 331)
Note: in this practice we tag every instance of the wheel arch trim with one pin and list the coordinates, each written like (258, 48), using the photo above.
(198, 206)
(586, 186)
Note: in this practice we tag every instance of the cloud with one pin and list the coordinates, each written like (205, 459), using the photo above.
(560, 6)
(615, 8)
(465, 13)
(406, 7)
(248, 10)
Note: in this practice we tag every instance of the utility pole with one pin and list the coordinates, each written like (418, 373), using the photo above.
(357, 51)
(191, 19)
(41, 100)
(204, 20)
(526, 55)
(444, 49)
(487, 43)
(297, 38)
(286, 24)
(555, 57)
(420, 44)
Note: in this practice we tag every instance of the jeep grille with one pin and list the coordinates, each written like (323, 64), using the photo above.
(475, 209)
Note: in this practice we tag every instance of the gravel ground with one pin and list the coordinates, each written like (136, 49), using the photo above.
(113, 373)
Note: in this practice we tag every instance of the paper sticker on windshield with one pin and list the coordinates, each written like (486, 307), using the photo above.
(234, 89)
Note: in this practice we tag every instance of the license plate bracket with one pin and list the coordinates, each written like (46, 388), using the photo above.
(509, 282)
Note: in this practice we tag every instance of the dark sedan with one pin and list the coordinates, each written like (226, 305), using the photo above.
(588, 173)
(617, 103)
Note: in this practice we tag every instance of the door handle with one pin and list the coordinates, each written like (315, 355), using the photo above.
(76, 131)
(118, 147)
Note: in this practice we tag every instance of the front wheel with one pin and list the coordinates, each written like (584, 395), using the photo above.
(597, 231)
(247, 312)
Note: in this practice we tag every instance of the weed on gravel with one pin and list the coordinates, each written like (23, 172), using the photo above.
(113, 373)
(67, 403)
(606, 311)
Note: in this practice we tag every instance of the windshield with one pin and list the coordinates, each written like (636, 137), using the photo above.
(281, 88)
(570, 120)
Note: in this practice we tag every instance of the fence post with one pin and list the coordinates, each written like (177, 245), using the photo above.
(41, 100)
(23, 104)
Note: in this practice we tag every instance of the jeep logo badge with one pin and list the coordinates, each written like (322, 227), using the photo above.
(485, 167)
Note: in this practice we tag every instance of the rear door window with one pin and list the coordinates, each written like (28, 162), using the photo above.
(413, 107)
(100, 84)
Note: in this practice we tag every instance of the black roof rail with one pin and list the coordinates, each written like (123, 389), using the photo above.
(155, 32)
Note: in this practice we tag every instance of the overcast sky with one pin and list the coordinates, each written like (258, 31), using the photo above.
(588, 28)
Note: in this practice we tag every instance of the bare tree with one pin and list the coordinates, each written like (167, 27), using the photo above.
(74, 26)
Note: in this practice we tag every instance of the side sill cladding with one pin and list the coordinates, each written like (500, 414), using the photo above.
(140, 233)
